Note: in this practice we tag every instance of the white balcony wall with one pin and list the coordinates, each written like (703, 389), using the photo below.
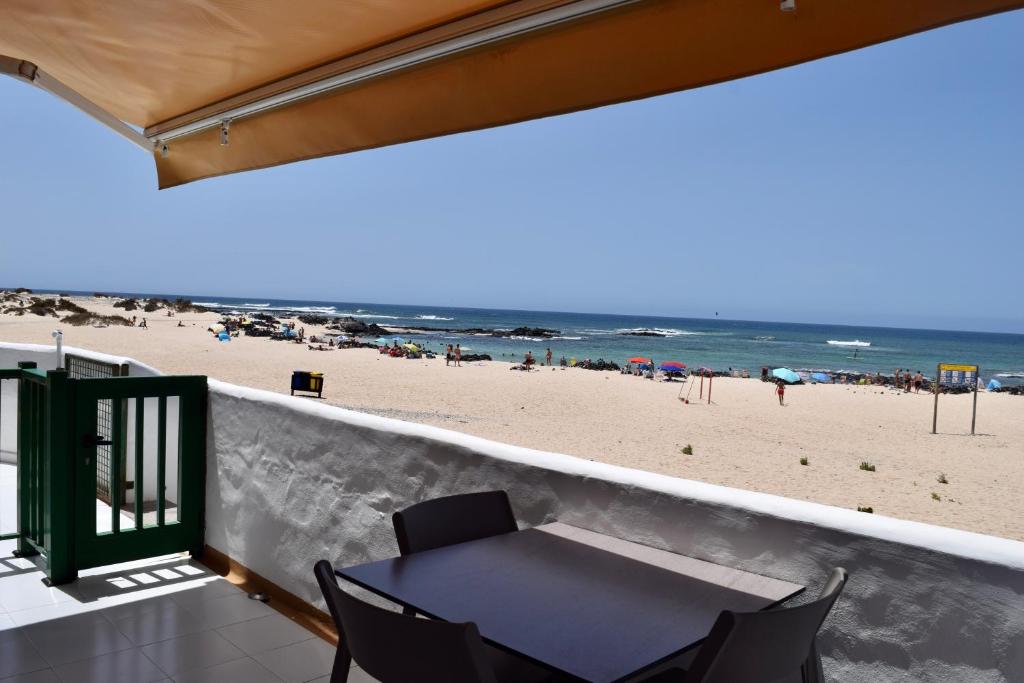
(291, 481)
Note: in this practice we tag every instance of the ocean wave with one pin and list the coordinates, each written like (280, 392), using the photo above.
(432, 317)
(670, 332)
(209, 304)
(1010, 375)
(764, 338)
(255, 305)
(308, 309)
(569, 338)
(535, 339)
(855, 342)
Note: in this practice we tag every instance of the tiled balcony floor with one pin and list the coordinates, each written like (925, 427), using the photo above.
(158, 620)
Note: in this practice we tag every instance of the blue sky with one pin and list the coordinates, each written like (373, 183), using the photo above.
(880, 187)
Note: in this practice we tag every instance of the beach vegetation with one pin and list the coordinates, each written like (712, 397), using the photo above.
(942, 478)
(936, 496)
(151, 306)
(127, 304)
(803, 461)
(687, 450)
(867, 467)
(80, 319)
(869, 510)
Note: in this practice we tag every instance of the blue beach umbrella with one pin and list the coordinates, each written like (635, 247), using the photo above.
(381, 341)
(786, 375)
(993, 384)
(821, 377)
(398, 340)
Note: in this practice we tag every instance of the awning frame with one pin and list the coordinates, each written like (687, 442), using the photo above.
(28, 72)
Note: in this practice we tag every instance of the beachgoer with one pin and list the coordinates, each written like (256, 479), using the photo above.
(143, 323)
(897, 378)
(907, 382)
(562, 362)
(548, 357)
(781, 391)
(918, 380)
(448, 355)
(528, 361)
(458, 355)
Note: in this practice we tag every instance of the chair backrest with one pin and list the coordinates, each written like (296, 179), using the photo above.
(394, 648)
(453, 519)
(760, 647)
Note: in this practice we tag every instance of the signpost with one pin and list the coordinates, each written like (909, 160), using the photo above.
(955, 375)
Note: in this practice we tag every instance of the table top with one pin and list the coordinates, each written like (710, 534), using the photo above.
(584, 604)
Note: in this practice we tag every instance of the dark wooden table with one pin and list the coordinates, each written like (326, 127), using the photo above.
(580, 603)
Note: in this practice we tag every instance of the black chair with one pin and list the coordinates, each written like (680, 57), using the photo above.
(453, 519)
(761, 647)
(394, 648)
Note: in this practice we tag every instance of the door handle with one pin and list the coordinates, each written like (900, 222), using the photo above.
(92, 441)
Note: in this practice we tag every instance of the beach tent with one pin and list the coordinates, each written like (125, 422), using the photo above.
(993, 385)
(210, 87)
(786, 375)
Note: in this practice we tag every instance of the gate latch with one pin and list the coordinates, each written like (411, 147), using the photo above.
(92, 441)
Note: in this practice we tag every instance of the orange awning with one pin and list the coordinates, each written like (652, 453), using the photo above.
(162, 66)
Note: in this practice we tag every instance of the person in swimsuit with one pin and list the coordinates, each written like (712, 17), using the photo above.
(458, 356)
(781, 391)
(548, 357)
(448, 355)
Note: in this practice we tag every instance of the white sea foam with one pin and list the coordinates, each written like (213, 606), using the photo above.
(1010, 375)
(670, 332)
(361, 314)
(256, 305)
(432, 317)
(855, 342)
(213, 304)
(569, 338)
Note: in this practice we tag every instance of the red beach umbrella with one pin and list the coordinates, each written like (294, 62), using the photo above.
(673, 364)
(639, 360)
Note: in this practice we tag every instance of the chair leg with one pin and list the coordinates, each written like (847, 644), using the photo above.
(811, 670)
(342, 663)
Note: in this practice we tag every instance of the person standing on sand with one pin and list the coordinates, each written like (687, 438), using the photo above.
(458, 356)
(781, 391)
(448, 355)
(548, 357)
(906, 382)
(918, 380)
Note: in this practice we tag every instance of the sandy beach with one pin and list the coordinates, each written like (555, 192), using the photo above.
(743, 439)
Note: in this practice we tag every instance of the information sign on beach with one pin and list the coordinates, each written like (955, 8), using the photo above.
(955, 375)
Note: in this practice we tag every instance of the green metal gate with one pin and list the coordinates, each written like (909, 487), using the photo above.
(157, 430)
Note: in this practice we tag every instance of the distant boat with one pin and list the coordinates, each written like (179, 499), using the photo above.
(855, 342)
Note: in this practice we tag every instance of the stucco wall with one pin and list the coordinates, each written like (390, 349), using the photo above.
(291, 481)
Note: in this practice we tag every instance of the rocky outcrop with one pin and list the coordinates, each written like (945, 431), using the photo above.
(356, 328)
(643, 333)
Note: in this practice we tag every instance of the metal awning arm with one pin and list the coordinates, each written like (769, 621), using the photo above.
(32, 74)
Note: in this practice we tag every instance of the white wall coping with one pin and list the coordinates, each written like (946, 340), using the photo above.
(966, 544)
(95, 355)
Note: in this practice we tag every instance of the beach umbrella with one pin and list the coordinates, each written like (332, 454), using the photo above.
(821, 377)
(398, 340)
(993, 385)
(673, 364)
(411, 347)
(639, 360)
(381, 341)
(786, 375)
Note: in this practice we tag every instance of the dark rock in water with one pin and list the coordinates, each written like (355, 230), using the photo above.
(538, 332)
(357, 328)
(643, 333)
(314, 319)
(470, 357)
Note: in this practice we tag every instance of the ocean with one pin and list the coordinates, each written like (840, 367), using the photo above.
(697, 342)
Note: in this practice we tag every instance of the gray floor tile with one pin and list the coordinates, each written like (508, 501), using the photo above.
(75, 638)
(18, 655)
(25, 591)
(44, 676)
(126, 666)
(228, 610)
(209, 590)
(169, 620)
(300, 662)
(195, 651)
(239, 671)
(268, 633)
